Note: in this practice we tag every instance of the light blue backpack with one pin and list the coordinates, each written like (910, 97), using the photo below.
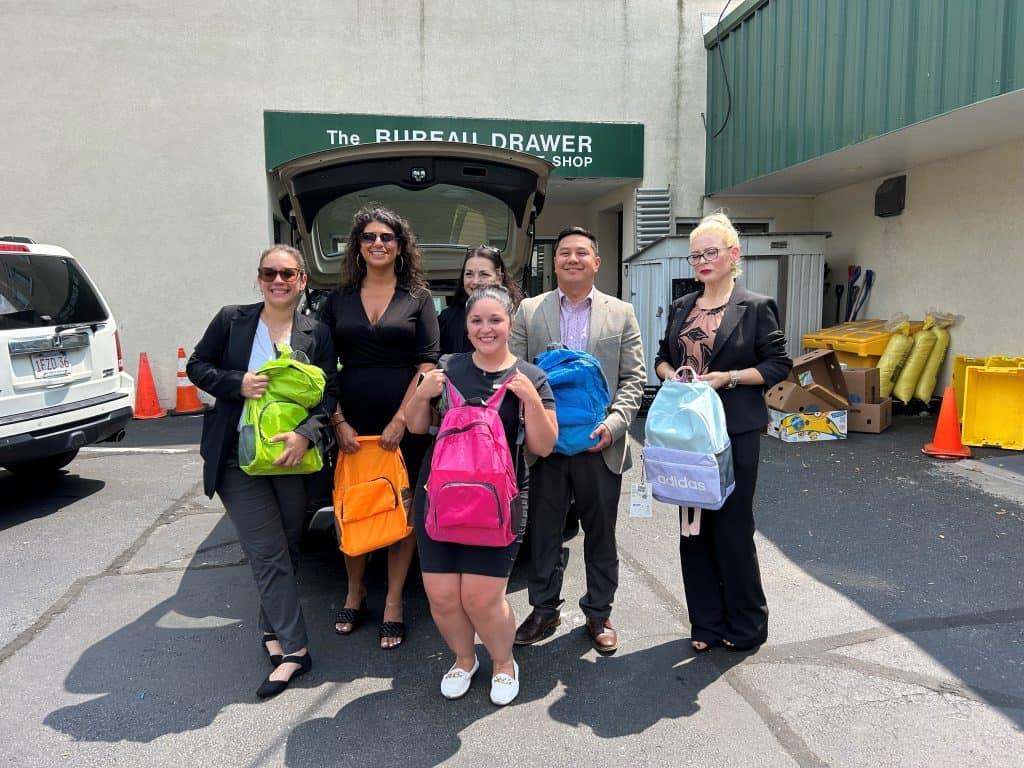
(687, 452)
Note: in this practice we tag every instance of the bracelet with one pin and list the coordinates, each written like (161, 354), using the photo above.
(335, 421)
(734, 379)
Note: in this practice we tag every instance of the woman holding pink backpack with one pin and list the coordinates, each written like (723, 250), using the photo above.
(466, 582)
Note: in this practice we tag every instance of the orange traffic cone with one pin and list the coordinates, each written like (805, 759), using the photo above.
(946, 444)
(147, 404)
(188, 396)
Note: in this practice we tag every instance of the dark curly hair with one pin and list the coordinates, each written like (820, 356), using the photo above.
(408, 263)
(493, 255)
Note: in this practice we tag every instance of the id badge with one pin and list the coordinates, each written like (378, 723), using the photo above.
(640, 500)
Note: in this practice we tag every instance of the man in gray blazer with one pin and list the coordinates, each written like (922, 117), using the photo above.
(579, 316)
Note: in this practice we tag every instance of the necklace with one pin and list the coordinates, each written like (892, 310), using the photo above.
(278, 331)
(507, 362)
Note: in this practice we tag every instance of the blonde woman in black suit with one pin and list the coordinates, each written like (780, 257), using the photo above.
(731, 337)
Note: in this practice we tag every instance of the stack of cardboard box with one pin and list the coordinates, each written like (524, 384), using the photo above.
(811, 404)
(867, 412)
(823, 401)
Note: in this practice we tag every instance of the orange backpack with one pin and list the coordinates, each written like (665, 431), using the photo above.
(371, 496)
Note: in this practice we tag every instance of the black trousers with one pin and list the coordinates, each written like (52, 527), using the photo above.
(721, 576)
(269, 513)
(553, 481)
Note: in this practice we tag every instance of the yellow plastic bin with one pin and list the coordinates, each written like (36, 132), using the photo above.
(994, 407)
(858, 344)
(960, 365)
(962, 362)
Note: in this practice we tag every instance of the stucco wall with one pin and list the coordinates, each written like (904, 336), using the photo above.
(787, 214)
(957, 247)
(133, 132)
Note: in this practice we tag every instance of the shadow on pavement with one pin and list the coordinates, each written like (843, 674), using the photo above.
(922, 551)
(430, 727)
(175, 667)
(26, 498)
(156, 433)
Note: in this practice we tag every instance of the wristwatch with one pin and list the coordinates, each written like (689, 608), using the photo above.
(734, 379)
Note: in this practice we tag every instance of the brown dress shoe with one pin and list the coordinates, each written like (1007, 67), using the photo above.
(536, 627)
(602, 635)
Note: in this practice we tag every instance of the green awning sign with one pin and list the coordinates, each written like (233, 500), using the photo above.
(592, 150)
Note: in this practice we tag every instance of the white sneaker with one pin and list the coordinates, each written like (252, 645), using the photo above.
(504, 688)
(456, 681)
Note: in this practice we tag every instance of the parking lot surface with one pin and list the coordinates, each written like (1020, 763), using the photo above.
(894, 581)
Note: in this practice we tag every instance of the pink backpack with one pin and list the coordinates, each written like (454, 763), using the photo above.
(472, 483)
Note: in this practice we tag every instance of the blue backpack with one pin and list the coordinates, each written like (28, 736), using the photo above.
(581, 396)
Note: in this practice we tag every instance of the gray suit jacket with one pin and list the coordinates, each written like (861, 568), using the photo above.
(614, 340)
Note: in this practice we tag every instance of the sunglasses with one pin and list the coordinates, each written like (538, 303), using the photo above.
(369, 238)
(288, 274)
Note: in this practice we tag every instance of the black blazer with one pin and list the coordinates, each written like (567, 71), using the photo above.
(221, 359)
(749, 337)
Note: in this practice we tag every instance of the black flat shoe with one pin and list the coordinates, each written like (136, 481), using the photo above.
(275, 658)
(353, 616)
(271, 688)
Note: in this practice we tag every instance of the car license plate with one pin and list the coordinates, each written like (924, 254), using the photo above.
(46, 365)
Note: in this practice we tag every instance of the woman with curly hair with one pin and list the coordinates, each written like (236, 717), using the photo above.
(385, 332)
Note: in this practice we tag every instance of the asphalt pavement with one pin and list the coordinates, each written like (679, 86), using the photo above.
(897, 630)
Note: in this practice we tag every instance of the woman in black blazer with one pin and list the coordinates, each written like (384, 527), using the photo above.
(269, 511)
(731, 337)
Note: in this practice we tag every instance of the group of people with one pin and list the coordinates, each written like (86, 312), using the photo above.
(386, 357)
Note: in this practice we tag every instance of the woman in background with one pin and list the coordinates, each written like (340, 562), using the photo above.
(482, 266)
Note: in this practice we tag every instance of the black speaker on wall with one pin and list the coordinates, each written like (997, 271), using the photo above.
(891, 196)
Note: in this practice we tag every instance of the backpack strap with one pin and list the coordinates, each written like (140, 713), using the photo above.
(498, 398)
(450, 396)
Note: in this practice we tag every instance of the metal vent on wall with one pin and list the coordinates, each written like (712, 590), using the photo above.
(653, 215)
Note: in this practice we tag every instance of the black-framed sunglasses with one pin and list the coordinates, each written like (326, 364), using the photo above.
(708, 254)
(288, 274)
(369, 238)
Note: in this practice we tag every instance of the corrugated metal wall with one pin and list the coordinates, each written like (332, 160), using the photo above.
(811, 76)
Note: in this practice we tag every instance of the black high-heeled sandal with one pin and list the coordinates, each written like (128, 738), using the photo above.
(270, 688)
(352, 616)
(275, 658)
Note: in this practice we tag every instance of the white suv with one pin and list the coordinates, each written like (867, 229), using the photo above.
(62, 379)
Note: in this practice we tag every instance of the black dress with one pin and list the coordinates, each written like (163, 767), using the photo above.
(472, 383)
(454, 337)
(379, 360)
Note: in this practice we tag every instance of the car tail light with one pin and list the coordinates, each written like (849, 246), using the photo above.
(120, 357)
(14, 247)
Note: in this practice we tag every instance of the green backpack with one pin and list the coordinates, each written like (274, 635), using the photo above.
(294, 387)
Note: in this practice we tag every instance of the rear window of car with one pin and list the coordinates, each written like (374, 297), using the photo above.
(441, 215)
(37, 290)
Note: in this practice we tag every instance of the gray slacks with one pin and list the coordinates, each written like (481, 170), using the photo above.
(269, 513)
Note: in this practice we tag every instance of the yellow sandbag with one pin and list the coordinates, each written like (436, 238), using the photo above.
(895, 353)
(906, 381)
(926, 384)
